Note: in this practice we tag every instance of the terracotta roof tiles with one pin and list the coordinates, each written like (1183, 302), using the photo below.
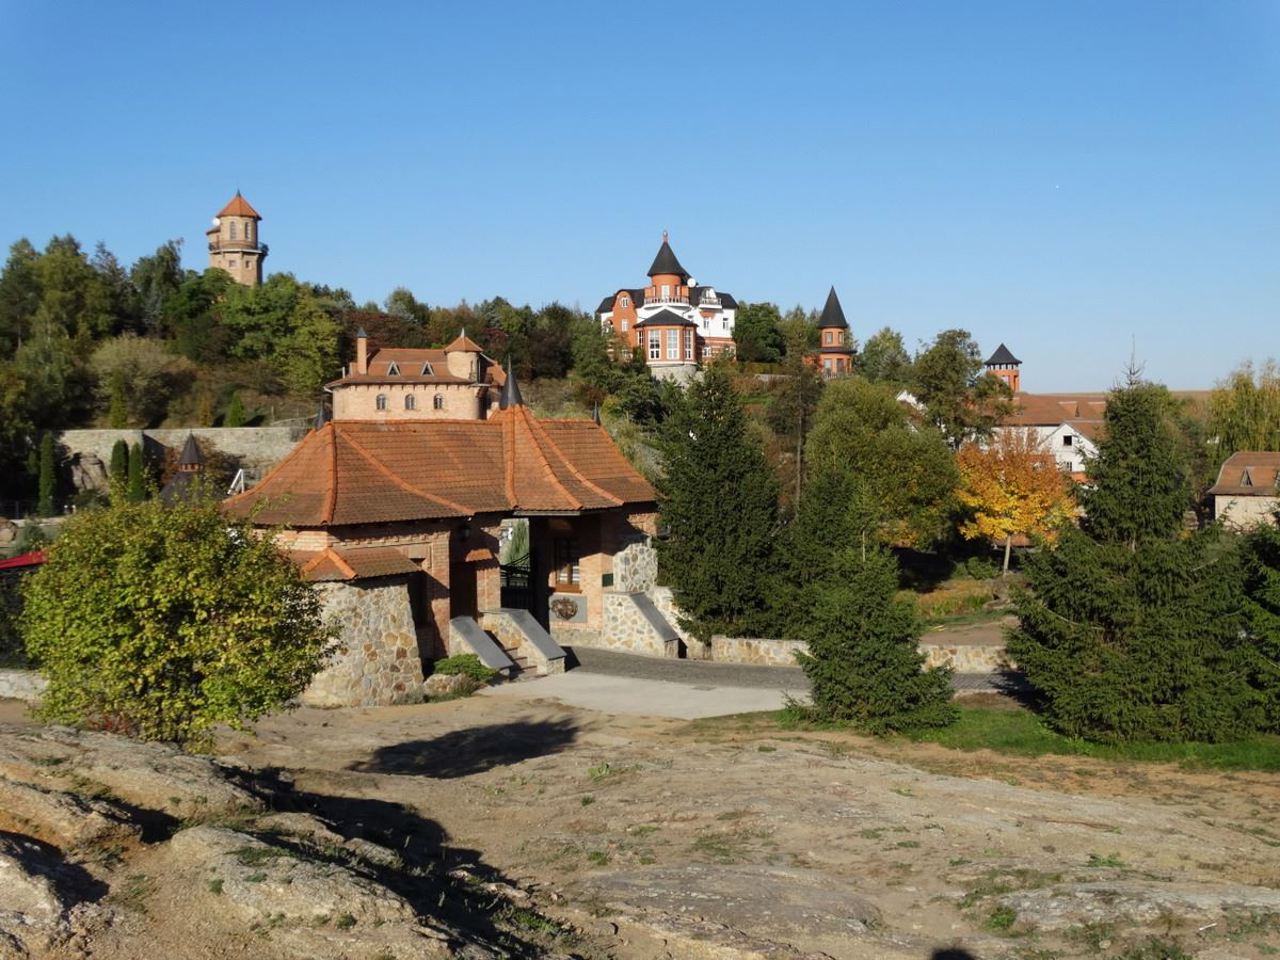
(239, 207)
(1249, 473)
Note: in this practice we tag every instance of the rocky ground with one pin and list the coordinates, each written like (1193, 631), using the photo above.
(500, 827)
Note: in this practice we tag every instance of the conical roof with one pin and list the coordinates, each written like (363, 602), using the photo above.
(191, 455)
(1002, 355)
(510, 391)
(239, 207)
(464, 344)
(832, 314)
(666, 263)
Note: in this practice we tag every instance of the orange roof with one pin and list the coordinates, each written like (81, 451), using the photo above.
(1249, 473)
(239, 207)
(413, 365)
(348, 564)
(463, 343)
(1051, 409)
(360, 471)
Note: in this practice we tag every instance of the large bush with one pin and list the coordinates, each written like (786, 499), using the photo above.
(161, 622)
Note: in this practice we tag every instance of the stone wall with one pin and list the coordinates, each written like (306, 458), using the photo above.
(757, 650)
(635, 568)
(256, 448)
(517, 630)
(633, 625)
(377, 661)
(21, 685)
(662, 599)
(967, 657)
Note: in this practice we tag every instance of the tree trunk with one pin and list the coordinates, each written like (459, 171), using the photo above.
(1008, 546)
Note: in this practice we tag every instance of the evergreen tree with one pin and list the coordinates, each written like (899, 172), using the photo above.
(863, 661)
(1262, 613)
(719, 502)
(235, 412)
(137, 491)
(48, 477)
(119, 475)
(1130, 630)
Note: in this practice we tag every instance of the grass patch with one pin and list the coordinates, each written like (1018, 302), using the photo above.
(1021, 733)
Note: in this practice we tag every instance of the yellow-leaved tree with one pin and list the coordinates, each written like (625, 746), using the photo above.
(1010, 487)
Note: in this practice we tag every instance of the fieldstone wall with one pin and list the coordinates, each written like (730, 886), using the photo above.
(21, 685)
(517, 630)
(757, 650)
(377, 661)
(635, 568)
(633, 625)
(967, 657)
(662, 599)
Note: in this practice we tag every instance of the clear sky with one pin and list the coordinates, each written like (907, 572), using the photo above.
(1068, 178)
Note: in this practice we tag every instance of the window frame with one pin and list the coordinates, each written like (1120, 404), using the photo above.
(655, 344)
(437, 402)
(566, 565)
(410, 402)
(380, 402)
(673, 344)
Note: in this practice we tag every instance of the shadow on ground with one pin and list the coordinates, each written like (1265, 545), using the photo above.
(461, 753)
(449, 883)
(952, 955)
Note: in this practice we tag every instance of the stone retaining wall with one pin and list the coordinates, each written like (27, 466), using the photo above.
(967, 658)
(662, 599)
(256, 448)
(630, 627)
(377, 661)
(21, 685)
(758, 651)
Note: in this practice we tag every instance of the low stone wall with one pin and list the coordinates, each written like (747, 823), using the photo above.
(967, 658)
(662, 599)
(518, 630)
(632, 624)
(635, 568)
(21, 685)
(377, 661)
(759, 651)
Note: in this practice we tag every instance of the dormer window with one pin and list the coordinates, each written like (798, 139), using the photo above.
(381, 401)
(1067, 439)
(393, 369)
(624, 301)
(427, 371)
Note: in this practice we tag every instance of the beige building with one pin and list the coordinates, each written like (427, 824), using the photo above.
(234, 244)
(455, 383)
(1245, 494)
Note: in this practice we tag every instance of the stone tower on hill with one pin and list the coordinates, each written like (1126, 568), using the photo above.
(233, 242)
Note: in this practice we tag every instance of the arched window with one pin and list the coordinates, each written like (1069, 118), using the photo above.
(381, 402)
(438, 402)
(410, 401)
(233, 229)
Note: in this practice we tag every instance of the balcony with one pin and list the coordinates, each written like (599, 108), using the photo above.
(670, 298)
(218, 245)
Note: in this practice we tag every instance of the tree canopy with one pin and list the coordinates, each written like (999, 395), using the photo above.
(962, 400)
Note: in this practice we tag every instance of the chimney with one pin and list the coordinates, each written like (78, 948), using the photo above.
(362, 352)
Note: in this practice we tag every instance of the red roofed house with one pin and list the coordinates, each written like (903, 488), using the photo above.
(457, 382)
(675, 321)
(1246, 493)
(399, 519)
(234, 243)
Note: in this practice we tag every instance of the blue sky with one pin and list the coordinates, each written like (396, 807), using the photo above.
(1068, 178)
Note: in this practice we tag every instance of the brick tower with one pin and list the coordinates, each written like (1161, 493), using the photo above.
(233, 242)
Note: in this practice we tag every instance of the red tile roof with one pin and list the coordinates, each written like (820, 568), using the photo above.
(239, 207)
(412, 365)
(1249, 473)
(359, 471)
(352, 564)
(465, 344)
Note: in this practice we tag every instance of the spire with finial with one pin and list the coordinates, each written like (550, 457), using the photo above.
(192, 460)
(510, 391)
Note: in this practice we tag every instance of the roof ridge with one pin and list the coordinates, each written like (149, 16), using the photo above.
(331, 499)
(526, 416)
(296, 451)
(574, 470)
(397, 480)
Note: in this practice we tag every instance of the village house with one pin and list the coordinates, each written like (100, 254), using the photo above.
(398, 519)
(676, 322)
(234, 242)
(1246, 493)
(457, 382)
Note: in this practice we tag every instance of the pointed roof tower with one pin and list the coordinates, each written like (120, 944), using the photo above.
(1002, 355)
(832, 314)
(192, 459)
(239, 207)
(510, 391)
(665, 263)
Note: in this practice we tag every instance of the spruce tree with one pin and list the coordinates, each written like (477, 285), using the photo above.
(719, 503)
(1262, 613)
(137, 491)
(1131, 630)
(863, 662)
(235, 412)
(119, 475)
(48, 482)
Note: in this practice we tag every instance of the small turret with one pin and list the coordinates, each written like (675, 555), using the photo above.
(1005, 365)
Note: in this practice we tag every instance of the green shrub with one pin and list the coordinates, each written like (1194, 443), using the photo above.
(981, 568)
(466, 665)
(12, 651)
(162, 622)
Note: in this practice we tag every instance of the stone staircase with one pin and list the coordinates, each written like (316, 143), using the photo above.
(509, 641)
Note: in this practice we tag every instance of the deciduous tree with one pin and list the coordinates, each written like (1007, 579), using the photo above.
(1244, 410)
(1012, 487)
(163, 622)
(963, 401)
